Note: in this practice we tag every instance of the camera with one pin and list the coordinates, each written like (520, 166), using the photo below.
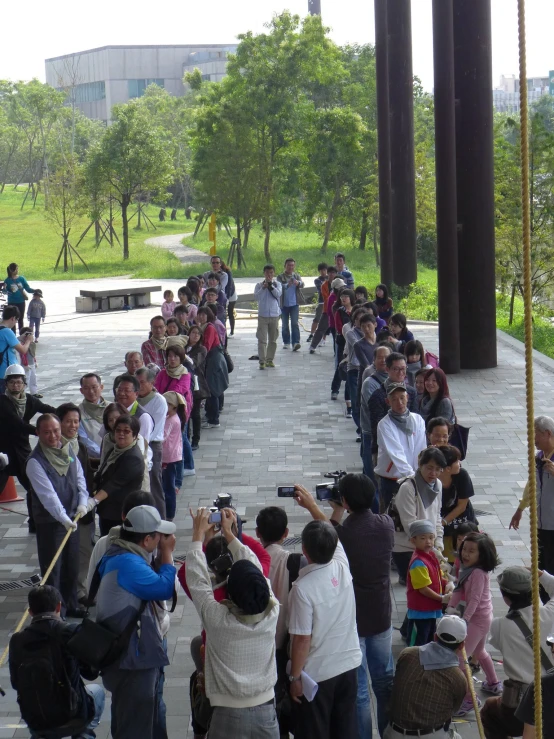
(223, 500)
(285, 491)
(330, 490)
(215, 516)
(222, 564)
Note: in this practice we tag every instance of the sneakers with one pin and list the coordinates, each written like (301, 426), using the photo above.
(322, 342)
(190, 473)
(312, 351)
(358, 439)
(348, 412)
(286, 346)
(492, 688)
(467, 707)
(195, 446)
(296, 347)
(270, 363)
(334, 396)
(310, 337)
(207, 425)
(262, 365)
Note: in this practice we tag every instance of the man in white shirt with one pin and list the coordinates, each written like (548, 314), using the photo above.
(150, 400)
(498, 714)
(59, 493)
(400, 439)
(268, 294)
(91, 426)
(322, 625)
(126, 393)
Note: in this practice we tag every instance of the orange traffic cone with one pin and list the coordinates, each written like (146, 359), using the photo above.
(9, 494)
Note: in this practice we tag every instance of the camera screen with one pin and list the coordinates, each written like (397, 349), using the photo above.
(324, 491)
(285, 491)
(215, 517)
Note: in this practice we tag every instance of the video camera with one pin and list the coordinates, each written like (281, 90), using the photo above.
(330, 490)
(224, 500)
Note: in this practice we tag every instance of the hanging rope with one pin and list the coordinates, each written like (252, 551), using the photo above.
(528, 307)
(469, 678)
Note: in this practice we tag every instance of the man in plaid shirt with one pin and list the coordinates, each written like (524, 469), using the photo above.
(153, 350)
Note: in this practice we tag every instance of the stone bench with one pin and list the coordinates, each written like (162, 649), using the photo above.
(244, 301)
(96, 301)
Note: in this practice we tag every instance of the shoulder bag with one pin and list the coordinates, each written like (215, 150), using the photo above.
(392, 510)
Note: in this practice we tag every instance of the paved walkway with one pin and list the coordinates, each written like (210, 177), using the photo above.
(173, 242)
(278, 427)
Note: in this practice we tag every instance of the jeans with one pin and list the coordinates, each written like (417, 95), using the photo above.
(169, 475)
(87, 732)
(34, 323)
(188, 459)
(259, 722)
(352, 384)
(377, 660)
(290, 312)
(387, 490)
(134, 701)
(212, 409)
(367, 461)
(160, 723)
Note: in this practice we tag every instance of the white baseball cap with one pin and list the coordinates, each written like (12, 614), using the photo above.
(452, 629)
(145, 519)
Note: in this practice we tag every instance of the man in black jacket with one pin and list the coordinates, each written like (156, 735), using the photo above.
(17, 408)
(62, 706)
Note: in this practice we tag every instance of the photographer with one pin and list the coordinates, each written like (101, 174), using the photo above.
(322, 625)
(239, 671)
(268, 294)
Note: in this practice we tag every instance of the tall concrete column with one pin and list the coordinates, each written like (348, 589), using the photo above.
(401, 100)
(445, 165)
(314, 7)
(383, 140)
(475, 183)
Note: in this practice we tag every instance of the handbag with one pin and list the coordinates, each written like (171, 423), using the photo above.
(228, 360)
(392, 510)
(95, 645)
(459, 438)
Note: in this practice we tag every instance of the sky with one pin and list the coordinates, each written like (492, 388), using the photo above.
(61, 27)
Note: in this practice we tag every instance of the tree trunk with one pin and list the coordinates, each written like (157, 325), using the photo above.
(246, 230)
(125, 222)
(364, 230)
(512, 301)
(97, 232)
(267, 234)
(376, 245)
(139, 213)
(329, 221)
(237, 222)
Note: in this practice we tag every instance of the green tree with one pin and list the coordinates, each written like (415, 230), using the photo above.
(132, 157)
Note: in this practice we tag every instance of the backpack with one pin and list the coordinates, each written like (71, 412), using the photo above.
(392, 510)
(46, 698)
(293, 567)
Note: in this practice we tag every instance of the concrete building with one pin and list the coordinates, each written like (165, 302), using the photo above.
(506, 96)
(101, 78)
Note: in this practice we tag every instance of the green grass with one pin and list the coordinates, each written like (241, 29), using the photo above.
(543, 331)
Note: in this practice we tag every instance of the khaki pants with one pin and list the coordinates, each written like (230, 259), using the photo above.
(267, 335)
(499, 721)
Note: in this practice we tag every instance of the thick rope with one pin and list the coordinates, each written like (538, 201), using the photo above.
(469, 678)
(528, 307)
(45, 577)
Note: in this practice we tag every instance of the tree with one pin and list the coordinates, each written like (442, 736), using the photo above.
(65, 201)
(132, 157)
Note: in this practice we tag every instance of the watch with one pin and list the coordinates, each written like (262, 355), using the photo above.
(293, 679)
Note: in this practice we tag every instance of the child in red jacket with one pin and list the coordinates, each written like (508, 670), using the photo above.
(425, 585)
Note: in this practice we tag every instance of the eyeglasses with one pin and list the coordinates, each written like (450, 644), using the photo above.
(399, 370)
(15, 382)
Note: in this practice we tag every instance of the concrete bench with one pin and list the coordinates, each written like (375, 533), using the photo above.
(95, 301)
(245, 300)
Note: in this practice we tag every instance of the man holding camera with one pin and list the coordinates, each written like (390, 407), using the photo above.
(268, 294)
(322, 625)
(239, 669)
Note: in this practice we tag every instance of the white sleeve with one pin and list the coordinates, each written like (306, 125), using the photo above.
(257, 288)
(92, 448)
(146, 426)
(241, 551)
(45, 492)
(81, 485)
(389, 441)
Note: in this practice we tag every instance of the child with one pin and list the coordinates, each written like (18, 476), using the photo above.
(35, 312)
(216, 298)
(185, 297)
(399, 329)
(318, 282)
(415, 360)
(426, 585)
(29, 362)
(168, 306)
(472, 600)
(360, 294)
(172, 449)
(461, 532)
(419, 384)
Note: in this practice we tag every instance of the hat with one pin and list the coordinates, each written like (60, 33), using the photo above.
(394, 386)
(145, 519)
(38, 292)
(175, 399)
(515, 580)
(422, 527)
(337, 282)
(247, 587)
(452, 629)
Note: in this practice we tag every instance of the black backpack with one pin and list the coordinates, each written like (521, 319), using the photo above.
(293, 567)
(46, 698)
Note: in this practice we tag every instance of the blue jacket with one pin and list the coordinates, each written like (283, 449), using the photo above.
(127, 579)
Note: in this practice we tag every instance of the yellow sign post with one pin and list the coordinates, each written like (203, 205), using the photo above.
(212, 234)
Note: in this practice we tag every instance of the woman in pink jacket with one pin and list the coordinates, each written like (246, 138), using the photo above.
(175, 376)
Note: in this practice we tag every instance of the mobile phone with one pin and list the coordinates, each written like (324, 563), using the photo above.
(215, 517)
(324, 491)
(286, 491)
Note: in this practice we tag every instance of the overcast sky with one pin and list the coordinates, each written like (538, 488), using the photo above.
(46, 29)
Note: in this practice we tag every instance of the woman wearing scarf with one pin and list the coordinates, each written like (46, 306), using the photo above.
(197, 353)
(419, 498)
(217, 374)
(121, 472)
(175, 376)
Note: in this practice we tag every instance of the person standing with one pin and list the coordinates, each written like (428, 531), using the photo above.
(323, 323)
(59, 493)
(318, 282)
(291, 298)
(18, 291)
(153, 350)
(36, 312)
(92, 407)
(268, 294)
(342, 271)
(10, 345)
(155, 404)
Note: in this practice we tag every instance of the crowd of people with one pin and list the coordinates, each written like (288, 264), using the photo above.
(291, 643)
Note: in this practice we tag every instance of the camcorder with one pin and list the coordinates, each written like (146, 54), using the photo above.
(224, 500)
(222, 564)
(330, 490)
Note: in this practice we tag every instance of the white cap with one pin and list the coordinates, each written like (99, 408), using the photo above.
(337, 282)
(452, 629)
(145, 519)
(14, 369)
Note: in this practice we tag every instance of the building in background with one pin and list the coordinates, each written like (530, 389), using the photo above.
(506, 96)
(101, 78)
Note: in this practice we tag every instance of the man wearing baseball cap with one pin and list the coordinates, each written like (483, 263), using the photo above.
(128, 590)
(506, 635)
(428, 686)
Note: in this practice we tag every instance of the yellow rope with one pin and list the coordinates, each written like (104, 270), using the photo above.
(45, 577)
(527, 299)
(469, 678)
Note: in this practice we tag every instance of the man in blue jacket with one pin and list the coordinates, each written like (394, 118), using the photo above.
(128, 590)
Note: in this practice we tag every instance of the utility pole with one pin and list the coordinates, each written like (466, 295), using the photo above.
(314, 7)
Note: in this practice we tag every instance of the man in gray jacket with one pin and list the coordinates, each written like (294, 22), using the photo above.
(290, 304)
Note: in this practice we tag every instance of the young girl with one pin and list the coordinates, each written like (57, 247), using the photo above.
(29, 362)
(168, 306)
(384, 303)
(399, 328)
(173, 327)
(196, 292)
(172, 449)
(415, 360)
(461, 532)
(472, 600)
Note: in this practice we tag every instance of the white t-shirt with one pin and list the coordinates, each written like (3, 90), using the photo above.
(322, 604)
(279, 578)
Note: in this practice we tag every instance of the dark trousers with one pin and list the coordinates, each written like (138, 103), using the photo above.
(34, 324)
(231, 314)
(546, 556)
(352, 384)
(196, 421)
(134, 702)
(156, 486)
(106, 524)
(168, 480)
(421, 631)
(322, 328)
(499, 722)
(387, 489)
(66, 570)
(332, 713)
(402, 562)
(212, 409)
